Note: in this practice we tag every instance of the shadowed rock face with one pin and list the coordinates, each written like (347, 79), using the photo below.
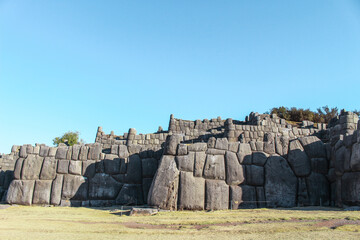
(210, 164)
(280, 183)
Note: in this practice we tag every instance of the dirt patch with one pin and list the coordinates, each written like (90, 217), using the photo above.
(201, 226)
(335, 223)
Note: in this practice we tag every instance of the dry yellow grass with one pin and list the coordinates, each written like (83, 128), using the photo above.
(20, 222)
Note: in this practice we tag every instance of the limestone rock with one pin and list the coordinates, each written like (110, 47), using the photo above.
(63, 166)
(244, 154)
(280, 183)
(163, 192)
(94, 151)
(242, 196)
(259, 158)
(269, 143)
(133, 174)
(88, 168)
(123, 151)
(318, 189)
(20, 192)
(84, 152)
(42, 192)
(197, 147)
(215, 167)
(75, 152)
(172, 142)
(103, 186)
(56, 190)
(48, 171)
(319, 165)
(112, 165)
(350, 188)
(254, 175)
(216, 195)
(234, 171)
(146, 184)
(75, 167)
(222, 143)
(44, 151)
(75, 187)
(200, 158)
(191, 192)
(303, 195)
(186, 163)
(298, 159)
(211, 142)
(313, 146)
(61, 153)
(130, 194)
(355, 157)
(182, 149)
(149, 167)
(18, 168)
(31, 167)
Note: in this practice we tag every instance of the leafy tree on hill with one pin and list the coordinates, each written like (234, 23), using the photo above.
(69, 138)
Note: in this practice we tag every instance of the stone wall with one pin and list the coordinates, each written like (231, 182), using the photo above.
(344, 173)
(229, 175)
(209, 164)
(82, 175)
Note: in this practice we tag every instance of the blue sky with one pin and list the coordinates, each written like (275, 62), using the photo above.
(77, 65)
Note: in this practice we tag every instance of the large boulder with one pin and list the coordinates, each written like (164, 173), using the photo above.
(319, 165)
(318, 189)
(244, 154)
(200, 158)
(298, 159)
(112, 164)
(48, 171)
(280, 183)
(242, 196)
(355, 157)
(133, 173)
(222, 143)
(259, 158)
(103, 186)
(197, 147)
(234, 171)
(191, 192)
(254, 175)
(20, 192)
(130, 194)
(313, 146)
(216, 195)
(17, 169)
(31, 167)
(56, 190)
(146, 184)
(350, 188)
(42, 192)
(75, 167)
(163, 192)
(172, 142)
(88, 168)
(149, 167)
(75, 188)
(186, 162)
(214, 167)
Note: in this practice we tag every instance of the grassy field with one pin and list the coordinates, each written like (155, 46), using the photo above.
(19, 222)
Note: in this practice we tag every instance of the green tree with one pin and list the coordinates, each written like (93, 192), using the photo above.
(69, 138)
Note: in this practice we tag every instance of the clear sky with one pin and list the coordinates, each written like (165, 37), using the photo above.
(77, 65)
